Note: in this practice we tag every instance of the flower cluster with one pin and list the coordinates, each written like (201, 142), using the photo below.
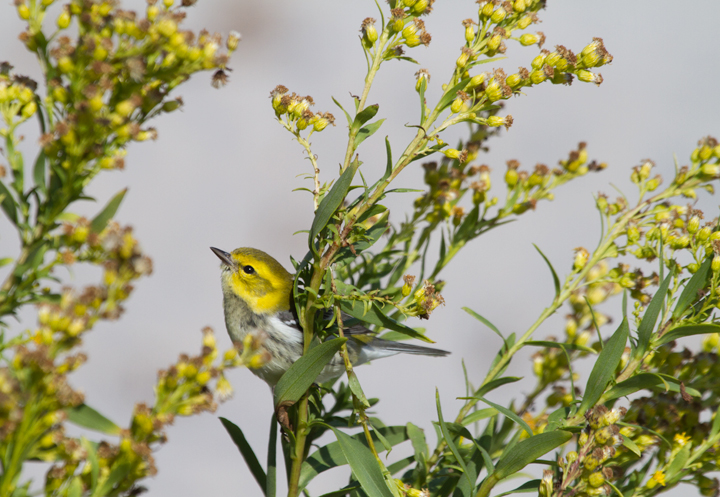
(424, 299)
(116, 75)
(587, 470)
(296, 111)
(17, 97)
(182, 390)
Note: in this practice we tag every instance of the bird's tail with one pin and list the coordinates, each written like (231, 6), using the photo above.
(406, 348)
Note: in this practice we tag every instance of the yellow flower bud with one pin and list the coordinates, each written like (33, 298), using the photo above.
(581, 258)
(524, 22)
(511, 177)
(529, 39)
(419, 7)
(23, 11)
(596, 479)
(451, 153)
(65, 64)
(498, 16)
(233, 40)
(152, 12)
(457, 105)
(29, 109)
(715, 264)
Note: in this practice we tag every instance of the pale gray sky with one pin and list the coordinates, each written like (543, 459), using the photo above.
(222, 174)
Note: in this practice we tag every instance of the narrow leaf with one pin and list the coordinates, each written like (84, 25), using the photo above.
(271, 481)
(363, 464)
(528, 450)
(332, 201)
(646, 381)
(449, 440)
(631, 446)
(389, 164)
(486, 323)
(560, 345)
(331, 455)
(647, 325)
(686, 331)
(349, 119)
(367, 131)
(103, 218)
(530, 486)
(298, 378)
(715, 429)
(93, 460)
(508, 414)
(604, 369)
(478, 415)
(694, 284)
(364, 116)
(87, 417)
(556, 280)
(451, 94)
(39, 171)
(238, 437)
(492, 385)
(118, 473)
(8, 203)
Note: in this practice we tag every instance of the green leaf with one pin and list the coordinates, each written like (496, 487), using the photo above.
(417, 439)
(451, 94)
(75, 489)
(690, 292)
(631, 446)
(677, 465)
(349, 119)
(492, 385)
(117, 474)
(375, 316)
(529, 486)
(556, 280)
(486, 323)
(8, 203)
(560, 345)
(389, 164)
(332, 201)
(298, 378)
(604, 369)
(367, 131)
(343, 492)
(686, 331)
(87, 417)
(238, 437)
(103, 218)
(508, 414)
(331, 455)
(716, 424)
(479, 415)
(647, 381)
(647, 325)
(271, 481)
(363, 464)
(39, 171)
(449, 441)
(5, 261)
(364, 116)
(527, 451)
(93, 460)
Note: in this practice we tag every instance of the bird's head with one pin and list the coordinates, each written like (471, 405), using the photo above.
(257, 278)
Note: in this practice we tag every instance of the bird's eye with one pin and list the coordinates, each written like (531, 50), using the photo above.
(249, 269)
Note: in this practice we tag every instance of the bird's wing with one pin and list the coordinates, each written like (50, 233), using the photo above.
(354, 327)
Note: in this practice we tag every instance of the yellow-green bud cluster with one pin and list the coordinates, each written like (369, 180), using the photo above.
(295, 109)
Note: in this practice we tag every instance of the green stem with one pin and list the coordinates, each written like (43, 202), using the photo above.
(377, 60)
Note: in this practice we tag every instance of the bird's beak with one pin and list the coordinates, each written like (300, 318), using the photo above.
(224, 257)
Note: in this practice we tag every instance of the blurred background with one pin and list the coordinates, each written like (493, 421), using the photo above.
(222, 173)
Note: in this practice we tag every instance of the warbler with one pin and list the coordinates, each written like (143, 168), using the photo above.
(257, 299)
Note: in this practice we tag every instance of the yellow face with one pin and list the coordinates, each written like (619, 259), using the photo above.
(257, 278)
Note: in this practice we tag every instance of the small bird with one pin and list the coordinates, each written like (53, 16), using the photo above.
(257, 293)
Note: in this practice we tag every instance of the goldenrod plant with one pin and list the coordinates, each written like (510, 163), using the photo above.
(641, 421)
(106, 73)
